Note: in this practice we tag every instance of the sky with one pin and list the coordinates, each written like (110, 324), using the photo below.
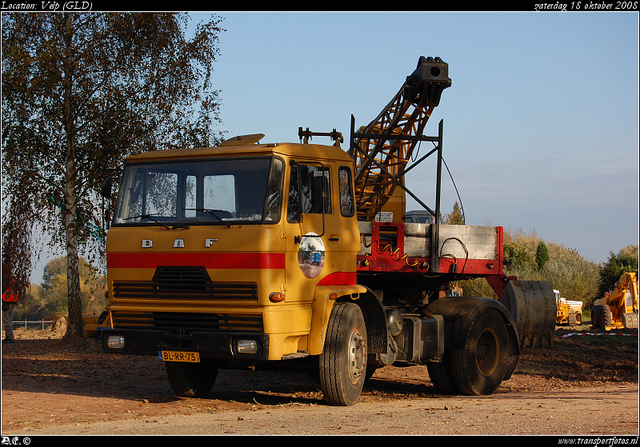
(540, 123)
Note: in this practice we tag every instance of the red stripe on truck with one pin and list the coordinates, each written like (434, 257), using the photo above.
(207, 260)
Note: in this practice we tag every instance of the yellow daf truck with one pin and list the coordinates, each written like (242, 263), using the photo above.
(251, 254)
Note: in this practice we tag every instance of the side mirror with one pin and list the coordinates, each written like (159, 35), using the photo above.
(106, 188)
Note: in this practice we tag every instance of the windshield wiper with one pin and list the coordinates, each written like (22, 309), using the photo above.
(151, 218)
(211, 212)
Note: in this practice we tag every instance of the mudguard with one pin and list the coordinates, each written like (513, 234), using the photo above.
(532, 305)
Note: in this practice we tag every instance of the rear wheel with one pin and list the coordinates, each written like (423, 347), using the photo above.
(192, 379)
(480, 366)
(343, 362)
(441, 376)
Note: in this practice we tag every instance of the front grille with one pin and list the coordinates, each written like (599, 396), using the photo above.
(184, 323)
(184, 283)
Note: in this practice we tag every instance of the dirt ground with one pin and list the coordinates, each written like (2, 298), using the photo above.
(49, 382)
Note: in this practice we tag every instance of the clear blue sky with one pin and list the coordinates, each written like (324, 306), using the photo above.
(540, 123)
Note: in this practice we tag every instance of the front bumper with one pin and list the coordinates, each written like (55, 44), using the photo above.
(213, 345)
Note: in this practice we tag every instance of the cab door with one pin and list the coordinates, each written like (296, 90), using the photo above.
(310, 220)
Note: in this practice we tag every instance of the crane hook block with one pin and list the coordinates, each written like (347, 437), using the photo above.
(426, 83)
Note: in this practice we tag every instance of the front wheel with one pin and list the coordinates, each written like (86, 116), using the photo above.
(606, 318)
(480, 366)
(343, 362)
(192, 379)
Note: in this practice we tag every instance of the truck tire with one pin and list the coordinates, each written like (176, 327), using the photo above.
(192, 379)
(441, 376)
(480, 366)
(343, 362)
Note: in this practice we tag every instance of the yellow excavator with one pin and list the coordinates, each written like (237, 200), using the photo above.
(618, 309)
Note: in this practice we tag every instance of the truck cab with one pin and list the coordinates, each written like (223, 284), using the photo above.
(227, 251)
(419, 216)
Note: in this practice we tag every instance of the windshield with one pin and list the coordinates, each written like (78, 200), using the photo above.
(211, 191)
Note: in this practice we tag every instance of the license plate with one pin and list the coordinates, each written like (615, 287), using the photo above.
(179, 356)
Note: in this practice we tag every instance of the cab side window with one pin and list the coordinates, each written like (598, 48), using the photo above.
(309, 189)
(346, 192)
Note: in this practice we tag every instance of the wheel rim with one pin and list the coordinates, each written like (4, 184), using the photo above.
(357, 355)
(488, 352)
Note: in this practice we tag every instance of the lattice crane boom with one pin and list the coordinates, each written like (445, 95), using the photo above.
(383, 148)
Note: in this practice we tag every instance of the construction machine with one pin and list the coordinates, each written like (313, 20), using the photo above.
(298, 256)
(618, 309)
(568, 311)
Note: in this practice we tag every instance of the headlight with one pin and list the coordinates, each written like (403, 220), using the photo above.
(247, 347)
(115, 342)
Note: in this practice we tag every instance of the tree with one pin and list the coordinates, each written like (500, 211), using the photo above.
(516, 257)
(456, 217)
(80, 92)
(53, 289)
(542, 255)
(16, 246)
(32, 307)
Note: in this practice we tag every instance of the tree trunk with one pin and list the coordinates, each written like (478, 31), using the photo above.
(73, 262)
(73, 271)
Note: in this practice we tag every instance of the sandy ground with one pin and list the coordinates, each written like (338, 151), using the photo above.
(585, 385)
